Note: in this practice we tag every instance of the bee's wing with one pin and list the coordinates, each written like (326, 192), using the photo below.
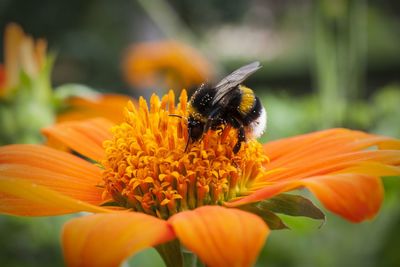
(229, 83)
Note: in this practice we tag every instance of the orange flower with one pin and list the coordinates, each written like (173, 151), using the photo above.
(145, 190)
(165, 64)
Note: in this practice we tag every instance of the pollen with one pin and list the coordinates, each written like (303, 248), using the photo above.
(147, 169)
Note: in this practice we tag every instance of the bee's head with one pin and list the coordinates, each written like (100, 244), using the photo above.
(196, 129)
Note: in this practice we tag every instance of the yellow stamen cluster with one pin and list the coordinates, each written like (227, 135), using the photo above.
(146, 168)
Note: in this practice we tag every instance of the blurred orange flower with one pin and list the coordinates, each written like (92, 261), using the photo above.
(2, 78)
(165, 64)
(146, 190)
(27, 101)
(21, 54)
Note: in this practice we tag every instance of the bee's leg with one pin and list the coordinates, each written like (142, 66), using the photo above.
(213, 115)
(240, 134)
(241, 138)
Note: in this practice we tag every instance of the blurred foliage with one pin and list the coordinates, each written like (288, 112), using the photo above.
(339, 55)
(31, 242)
(386, 111)
(91, 37)
(27, 110)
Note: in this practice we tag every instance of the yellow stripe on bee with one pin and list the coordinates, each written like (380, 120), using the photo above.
(248, 99)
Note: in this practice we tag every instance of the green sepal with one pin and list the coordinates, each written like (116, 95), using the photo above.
(270, 218)
(65, 91)
(110, 204)
(293, 205)
(288, 204)
(171, 253)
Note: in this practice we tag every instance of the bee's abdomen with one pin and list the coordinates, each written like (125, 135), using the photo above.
(256, 120)
(254, 112)
(247, 100)
(250, 106)
(250, 111)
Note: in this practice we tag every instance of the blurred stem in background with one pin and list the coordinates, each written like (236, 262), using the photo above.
(167, 20)
(339, 56)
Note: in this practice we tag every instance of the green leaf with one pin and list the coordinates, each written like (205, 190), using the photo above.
(171, 253)
(293, 205)
(270, 218)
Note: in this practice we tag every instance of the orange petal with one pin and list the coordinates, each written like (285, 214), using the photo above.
(52, 160)
(12, 40)
(108, 239)
(355, 197)
(20, 197)
(333, 164)
(28, 60)
(27, 171)
(40, 52)
(84, 137)
(284, 146)
(314, 146)
(374, 169)
(221, 236)
(109, 106)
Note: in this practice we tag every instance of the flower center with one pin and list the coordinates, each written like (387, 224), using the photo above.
(147, 169)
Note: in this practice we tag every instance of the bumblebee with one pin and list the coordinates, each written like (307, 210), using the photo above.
(228, 102)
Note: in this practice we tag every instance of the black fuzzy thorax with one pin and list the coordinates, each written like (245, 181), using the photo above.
(202, 100)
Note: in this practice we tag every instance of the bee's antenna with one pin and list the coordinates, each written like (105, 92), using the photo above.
(175, 115)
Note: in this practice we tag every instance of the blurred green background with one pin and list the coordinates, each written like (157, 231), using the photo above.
(325, 64)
